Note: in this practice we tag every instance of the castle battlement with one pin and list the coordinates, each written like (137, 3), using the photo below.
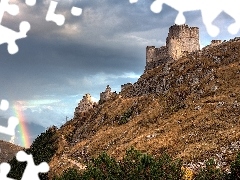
(215, 42)
(183, 31)
(125, 86)
(181, 39)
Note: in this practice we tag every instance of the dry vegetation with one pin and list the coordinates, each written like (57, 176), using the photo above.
(8, 151)
(195, 118)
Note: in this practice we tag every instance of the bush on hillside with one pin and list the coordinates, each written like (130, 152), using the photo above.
(137, 165)
(134, 166)
(235, 168)
(210, 172)
(69, 174)
(125, 117)
(103, 167)
(42, 150)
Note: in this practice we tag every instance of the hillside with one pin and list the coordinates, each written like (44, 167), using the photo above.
(8, 151)
(188, 108)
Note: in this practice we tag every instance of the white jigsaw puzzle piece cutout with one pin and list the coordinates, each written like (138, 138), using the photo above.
(210, 10)
(75, 11)
(12, 123)
(9, 36)
(30, 2)
(4, 105)
(4, 170)
(133, 1)
(51, 16)
(31, 171)
(6, 7)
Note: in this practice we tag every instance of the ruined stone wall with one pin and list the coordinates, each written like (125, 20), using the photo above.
(125, 86)
(155, 56)
(84, 105)
(173, 75)
(215, 42)
(106, 95)
(182, 38)
(150, 53)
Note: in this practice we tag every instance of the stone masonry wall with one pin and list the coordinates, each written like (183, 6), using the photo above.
(125, 86)
(106, 95)
(155, 56)
(181, 39)
(169, 77)
(215, 42)
(84, 105)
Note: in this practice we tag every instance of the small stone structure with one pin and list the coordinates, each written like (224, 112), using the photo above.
(181, 39)
(125, 86)
(106, 95)
(84, 105)
(215, 42)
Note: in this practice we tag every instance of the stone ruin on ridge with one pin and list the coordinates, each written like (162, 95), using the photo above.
(181, 39)
(84, 105)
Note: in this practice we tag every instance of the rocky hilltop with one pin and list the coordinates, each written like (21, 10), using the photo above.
(188, 107)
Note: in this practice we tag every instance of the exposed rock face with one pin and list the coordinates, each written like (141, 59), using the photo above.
(84, 105)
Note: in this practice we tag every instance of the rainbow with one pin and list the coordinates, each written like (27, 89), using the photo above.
(22, 126)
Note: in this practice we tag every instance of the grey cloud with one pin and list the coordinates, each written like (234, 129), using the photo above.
(98, 48)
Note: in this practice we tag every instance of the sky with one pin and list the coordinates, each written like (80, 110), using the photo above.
(57, 65)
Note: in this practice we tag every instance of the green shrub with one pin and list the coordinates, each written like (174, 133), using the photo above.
(69, 174)
(103, 167)
(235, 169)
(210, 172)
(125, 117)
(134, 166)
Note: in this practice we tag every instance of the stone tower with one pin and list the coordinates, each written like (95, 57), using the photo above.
(182, 38)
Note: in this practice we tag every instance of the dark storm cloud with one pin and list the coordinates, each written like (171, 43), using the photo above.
(112, 39)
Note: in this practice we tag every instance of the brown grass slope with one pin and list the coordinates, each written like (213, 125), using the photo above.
(194, 115)
(8, 151)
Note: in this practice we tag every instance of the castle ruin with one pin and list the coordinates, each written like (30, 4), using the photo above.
(84, 105)
(125, 86)
(107, 94)
(181, 39)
